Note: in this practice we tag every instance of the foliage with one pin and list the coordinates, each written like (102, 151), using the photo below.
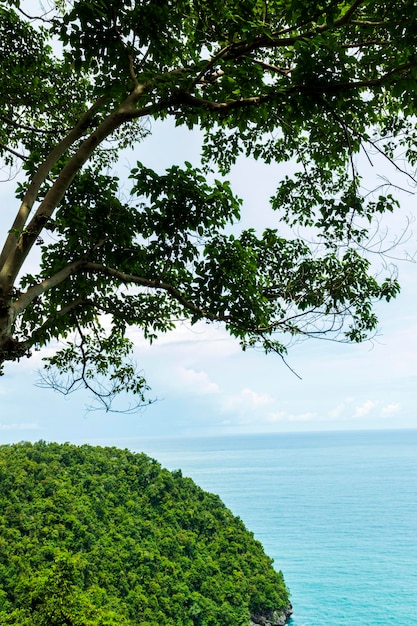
(312, 85)
(95, 536)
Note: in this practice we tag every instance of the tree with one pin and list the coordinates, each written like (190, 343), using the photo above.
(314, 84)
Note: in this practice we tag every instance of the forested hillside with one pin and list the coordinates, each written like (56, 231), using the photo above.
(95, 536)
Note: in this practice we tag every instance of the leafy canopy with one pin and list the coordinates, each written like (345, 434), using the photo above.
(315, 85)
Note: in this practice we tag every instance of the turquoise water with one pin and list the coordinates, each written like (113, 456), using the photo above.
(336, 511)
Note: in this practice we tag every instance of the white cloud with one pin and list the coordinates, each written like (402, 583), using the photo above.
(276, 416)
(23, 426)
(247, 400)
(390, 409)
(340, 409)
(303, 417)
(282, 416)
(365, 408)
(197, 382)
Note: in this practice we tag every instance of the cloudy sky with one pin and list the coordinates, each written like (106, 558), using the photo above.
(203, 384)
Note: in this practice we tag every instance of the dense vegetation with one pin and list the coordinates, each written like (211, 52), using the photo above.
(95, 536)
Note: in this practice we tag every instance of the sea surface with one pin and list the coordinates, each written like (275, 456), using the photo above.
(336, 511)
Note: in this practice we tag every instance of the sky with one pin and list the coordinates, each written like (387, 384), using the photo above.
(202, 383)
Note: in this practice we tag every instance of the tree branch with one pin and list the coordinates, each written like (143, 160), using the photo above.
(7, 274)
(209, 65)
(316, 88)
(349, 12)
(23, 301)
(152, 284)
(275, 40)
(32, 129)
(15, 253)
(34, 18)
(273, 68)
(14, 152)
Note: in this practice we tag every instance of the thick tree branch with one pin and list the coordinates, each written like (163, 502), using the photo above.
(38, 333)
(23, 301)
(7, 274)
(17, 252)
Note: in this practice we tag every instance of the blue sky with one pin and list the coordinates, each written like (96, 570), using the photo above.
(201, 381)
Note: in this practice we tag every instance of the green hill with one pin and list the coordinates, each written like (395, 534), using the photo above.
(95, 536)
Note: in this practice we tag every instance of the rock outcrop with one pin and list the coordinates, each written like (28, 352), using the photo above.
(271, 618)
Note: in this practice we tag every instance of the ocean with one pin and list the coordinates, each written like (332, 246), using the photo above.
(336, 511)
